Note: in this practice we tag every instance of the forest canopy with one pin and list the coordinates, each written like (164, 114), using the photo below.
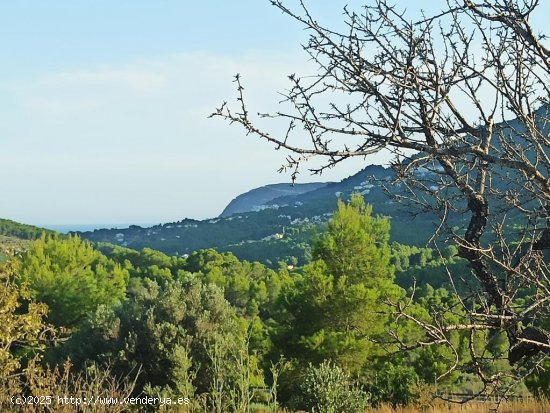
(153, 324)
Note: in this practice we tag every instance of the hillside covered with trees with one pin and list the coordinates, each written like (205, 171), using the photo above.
(234, 335)
(280, 229)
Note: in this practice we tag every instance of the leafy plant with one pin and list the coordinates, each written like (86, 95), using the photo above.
(328, 389)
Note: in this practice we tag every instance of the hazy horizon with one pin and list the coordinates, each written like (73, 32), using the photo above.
(66, 228)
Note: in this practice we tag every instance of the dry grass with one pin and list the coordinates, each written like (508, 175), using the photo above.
(511, 407)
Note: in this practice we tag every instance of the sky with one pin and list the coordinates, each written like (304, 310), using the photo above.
(104, 105)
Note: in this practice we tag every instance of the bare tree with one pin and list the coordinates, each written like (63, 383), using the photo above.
(461, 100)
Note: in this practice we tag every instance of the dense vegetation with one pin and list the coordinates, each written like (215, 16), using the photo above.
(233, 335)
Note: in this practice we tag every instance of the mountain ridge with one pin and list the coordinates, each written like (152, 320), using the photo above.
(278, 230)
(256, 198)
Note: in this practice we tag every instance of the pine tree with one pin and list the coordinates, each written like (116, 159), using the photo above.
(337, 307)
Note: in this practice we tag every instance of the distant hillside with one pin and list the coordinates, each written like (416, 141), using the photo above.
(15, 237)
(11, 228)
(279, 229)
(257, 198)
(362, 182)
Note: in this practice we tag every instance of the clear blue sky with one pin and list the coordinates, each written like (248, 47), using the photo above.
(103, 106)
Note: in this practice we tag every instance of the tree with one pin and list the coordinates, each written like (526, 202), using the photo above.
(24, 331)
(334, 311)
(71, 277)
(355, 244)
(439, 92)
(182, 338)
(24, 339)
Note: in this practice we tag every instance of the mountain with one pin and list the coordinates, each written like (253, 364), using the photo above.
(276, 229)
(256, 199)
(362, 181)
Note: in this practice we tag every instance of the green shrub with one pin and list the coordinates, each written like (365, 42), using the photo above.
(396, 384)
(328, 389)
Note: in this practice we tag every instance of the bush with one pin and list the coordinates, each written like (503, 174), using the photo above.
(396, 384)
(327, 389)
